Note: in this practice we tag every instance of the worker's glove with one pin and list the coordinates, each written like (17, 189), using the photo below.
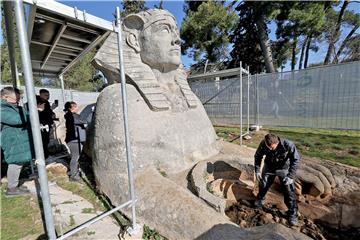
(258, 176)
(288, 181)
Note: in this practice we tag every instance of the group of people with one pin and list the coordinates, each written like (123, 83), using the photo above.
(16, 137)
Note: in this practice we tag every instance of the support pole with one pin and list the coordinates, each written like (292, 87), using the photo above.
(256, 100)
(126, 121)
(61, 77)
(9, 26)
(241, 122)
(34, 118)
(248, 100)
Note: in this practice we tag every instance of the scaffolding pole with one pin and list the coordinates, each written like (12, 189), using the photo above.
(61, 77)
(248, 100)
(241, 102)
(135, 227)
(34, 118)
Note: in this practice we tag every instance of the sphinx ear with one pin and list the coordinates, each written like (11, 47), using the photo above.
(133, 42)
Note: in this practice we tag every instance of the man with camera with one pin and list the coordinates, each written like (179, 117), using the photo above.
(46, 117)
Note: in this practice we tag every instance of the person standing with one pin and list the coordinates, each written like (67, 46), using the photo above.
(16, 141)
(75, 137)
(282, 160)
(46, 118)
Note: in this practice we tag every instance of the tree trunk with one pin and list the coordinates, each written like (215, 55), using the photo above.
(302, 52)
(265, 44)
(307, 51)
(335, 35)
(293, 57)
(343, 44)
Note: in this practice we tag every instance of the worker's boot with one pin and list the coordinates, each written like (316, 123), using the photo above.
(259, 203)
(293, 220)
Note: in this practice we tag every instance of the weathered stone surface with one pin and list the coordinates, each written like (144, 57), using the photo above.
(266, 232)
(174, 211)
(233, 190)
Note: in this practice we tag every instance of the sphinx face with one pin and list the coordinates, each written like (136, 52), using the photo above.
(160, 45)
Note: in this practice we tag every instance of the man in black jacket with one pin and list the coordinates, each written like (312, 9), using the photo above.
(46, 118)
(282, 160)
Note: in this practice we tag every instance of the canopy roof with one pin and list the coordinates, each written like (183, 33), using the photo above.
(60, 35)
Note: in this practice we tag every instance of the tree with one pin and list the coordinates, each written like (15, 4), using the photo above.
(6, 77)
(335, 34)
(160, 6)
(353, 21)
(251, 35)
(300, 23)
(81, 75)
(205, 31)
(351, 51)
(132, 6)
(192, 6)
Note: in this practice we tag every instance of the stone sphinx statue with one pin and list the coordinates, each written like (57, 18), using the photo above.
(169, 126)
(169, 129)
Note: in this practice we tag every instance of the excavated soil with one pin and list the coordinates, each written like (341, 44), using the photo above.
(245, 215)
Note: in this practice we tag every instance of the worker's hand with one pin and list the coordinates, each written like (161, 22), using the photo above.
(258, 176)
(288, 181)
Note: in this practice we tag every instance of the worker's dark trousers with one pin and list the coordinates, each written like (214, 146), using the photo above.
(289, 192)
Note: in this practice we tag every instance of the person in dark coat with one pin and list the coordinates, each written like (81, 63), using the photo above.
(46, 118)
(16, 141)
(75, 137)
(282, 160)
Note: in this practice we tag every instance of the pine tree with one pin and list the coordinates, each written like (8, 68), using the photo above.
(205, 30)
(132, 6)
(250, 38)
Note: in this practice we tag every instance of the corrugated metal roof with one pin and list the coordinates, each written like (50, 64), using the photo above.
(60, 35)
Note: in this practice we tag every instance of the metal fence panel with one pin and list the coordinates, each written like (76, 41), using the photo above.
(81, 98)
(322, 97)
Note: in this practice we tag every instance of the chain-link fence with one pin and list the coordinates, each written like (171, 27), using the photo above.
(322, 97)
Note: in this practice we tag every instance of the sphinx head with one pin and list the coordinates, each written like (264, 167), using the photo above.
(154, 35)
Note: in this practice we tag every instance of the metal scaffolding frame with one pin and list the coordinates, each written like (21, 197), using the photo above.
(49, 11)
(247, 72)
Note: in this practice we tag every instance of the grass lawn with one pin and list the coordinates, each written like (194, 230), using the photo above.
(20, 217)
(336, 145)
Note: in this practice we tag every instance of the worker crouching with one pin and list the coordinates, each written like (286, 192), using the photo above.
(282, 160)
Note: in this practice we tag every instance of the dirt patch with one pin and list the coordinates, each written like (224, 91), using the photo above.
(243, 214)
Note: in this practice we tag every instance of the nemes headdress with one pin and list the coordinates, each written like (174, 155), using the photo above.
(138, 73)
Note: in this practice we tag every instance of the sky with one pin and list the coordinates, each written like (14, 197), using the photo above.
(105, 9)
